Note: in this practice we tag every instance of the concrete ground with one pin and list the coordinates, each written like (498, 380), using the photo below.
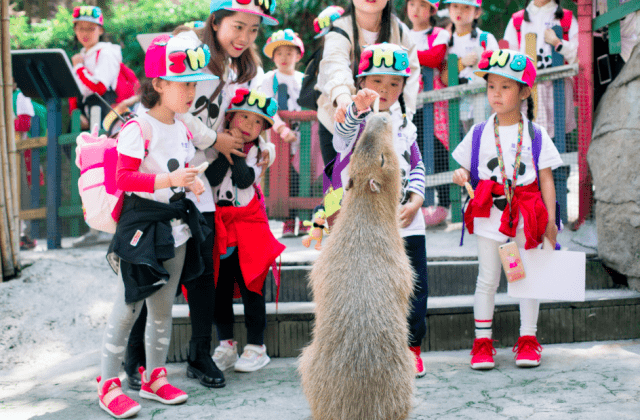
(583, 381)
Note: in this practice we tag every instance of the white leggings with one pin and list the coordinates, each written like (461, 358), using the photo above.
(487, 284)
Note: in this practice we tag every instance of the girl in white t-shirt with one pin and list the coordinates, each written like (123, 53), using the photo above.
(153, 152)
(523, 207)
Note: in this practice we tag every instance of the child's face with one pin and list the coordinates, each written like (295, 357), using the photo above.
(388, 87)
(286, 57)
(463, 14)
(505, 95)
(237, 32)
(419, 12)
(176, 96)
(249, 124)
(370, 6)
(88, 33)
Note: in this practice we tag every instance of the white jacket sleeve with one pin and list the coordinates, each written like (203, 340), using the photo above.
(203, 136)
(570, 48)
(269, 147)
(335, 76)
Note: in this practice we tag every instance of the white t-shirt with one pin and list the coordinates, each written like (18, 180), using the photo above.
(465, 45)
(368, 37)
(421, 39)
(488, 168)
(169, 149)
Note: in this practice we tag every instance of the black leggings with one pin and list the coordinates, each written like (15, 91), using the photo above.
(416, 249)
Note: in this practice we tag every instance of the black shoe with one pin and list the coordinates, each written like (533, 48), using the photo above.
(201, 366)
(134, 358)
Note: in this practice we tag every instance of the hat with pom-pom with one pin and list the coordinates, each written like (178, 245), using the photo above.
(384, 58)
(508, 63)
(255, 102)
(322, 24)
(91, 14)
(280, 38)
(179, 58)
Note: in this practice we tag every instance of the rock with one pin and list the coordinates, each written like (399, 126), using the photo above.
(614, 159)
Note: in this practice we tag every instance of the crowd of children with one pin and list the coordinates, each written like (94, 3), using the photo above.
(190, 163)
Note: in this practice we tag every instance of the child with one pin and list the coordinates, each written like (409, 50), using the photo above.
(286, 50)
(538, 18)
(367, 22)
(384, 79)
(97, 65)
(157, 225)
(468, 42)
(499, 210)
(431, 43)
(244, 246)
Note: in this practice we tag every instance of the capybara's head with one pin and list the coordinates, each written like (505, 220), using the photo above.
(374, 167)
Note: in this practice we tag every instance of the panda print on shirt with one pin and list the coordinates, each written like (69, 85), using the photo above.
(178, 192)
(499, 200)
(206, 110)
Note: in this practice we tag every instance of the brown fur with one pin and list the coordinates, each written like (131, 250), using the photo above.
(358, 365)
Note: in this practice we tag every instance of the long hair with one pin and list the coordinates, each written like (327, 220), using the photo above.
(246, 66)
(559, 13)
(384, 35)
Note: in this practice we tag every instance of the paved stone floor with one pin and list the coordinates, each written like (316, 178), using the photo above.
(583, 381)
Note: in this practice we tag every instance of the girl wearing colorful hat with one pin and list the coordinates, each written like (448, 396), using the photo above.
(383, 73)
(97, 65)
(230, 32)
(431, 43)
(244, 246)
(154, 150)
(367, 22)
(286, 50)
(508, 160)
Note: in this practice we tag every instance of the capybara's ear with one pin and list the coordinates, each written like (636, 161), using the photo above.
(349, 185)
(374, 185)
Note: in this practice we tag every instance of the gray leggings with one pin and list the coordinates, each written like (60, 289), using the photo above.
(159, 322)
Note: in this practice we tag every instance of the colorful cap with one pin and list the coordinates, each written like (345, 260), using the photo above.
(179, 58)
(196, 24)
(384, 58)
(263, 8)
(322, 24)
(508, 63)
(91, 14)
(255, 102)
(434, 4)
(475, 3)
(280, 38)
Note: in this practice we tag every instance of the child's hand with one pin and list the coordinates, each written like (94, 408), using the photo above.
(183, 177)
(287, 135)
(228, 145)
(341, 113)
(469, 60)
(408, 212)
(77, 59)
(551, 38)
(551, 233)
(264, 161)
(197, 188)
(460, 176)
(364, 98)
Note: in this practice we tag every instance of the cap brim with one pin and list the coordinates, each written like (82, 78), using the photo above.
(269, 120)
(404, 74)
(198, 77)
(266, 19)
(86, 19)
(482, 73)
(270, 48)
(322, 33)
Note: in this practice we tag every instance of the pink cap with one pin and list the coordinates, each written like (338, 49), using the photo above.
(179, 58)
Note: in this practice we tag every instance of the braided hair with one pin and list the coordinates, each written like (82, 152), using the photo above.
(559, 13)
(403, 108)
(474, 31)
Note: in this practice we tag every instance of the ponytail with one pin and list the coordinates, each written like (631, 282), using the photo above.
(356, 40)
(453, 32)
(474, 31)
(403, 108)
(559, 14)
(526, 15)
(530, 106)
(432, 22)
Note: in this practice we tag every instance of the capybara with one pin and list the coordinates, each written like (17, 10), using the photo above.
(358, 365)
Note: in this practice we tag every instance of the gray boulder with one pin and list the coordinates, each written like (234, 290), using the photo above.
(614, 159)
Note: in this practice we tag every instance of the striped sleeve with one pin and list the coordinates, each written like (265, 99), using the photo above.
(417, 174)
(347, 132)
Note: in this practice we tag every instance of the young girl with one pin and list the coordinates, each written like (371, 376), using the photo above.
(522, 207)
(367, 22)
(468, 42)
(158, 225)
(286, 50)
(431, 43)
(244, 247)
(385, 78)
(538, 18)
(97, 65)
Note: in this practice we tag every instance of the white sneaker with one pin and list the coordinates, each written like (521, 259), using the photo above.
(226, 354)
(253, 358)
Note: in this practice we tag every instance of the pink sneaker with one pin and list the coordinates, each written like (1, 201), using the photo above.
(482, 353)
(289, 228)
(420, 370)
(114, 401)
(434, 215)
(302, 229)
(159, 389)
(527, 351)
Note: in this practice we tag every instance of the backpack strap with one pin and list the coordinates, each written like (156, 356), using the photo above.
(536, 144)
(340, 31)
(517, 19)
(146, 131)
(475, 152)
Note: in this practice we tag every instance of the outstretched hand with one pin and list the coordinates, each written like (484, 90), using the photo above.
(364, 98)
(229, 144)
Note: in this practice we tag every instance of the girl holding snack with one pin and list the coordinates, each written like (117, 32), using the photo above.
(510, 158)
(159, 228)
(383, 79)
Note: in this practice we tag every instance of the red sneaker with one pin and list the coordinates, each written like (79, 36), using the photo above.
(420, 370)
(159, 389)
(482, 353)
(527, 351)
(114, 401)
(289, 228)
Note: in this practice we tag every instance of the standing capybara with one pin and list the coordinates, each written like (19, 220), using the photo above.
(358, 365)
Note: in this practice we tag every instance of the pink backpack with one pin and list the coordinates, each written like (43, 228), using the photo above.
(97, 158)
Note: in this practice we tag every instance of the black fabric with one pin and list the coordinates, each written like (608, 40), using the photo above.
(254, 304)
(216, 171)
(141, 261)
(85, 106)
(326, 144)
(242, 175)
(416, 249)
